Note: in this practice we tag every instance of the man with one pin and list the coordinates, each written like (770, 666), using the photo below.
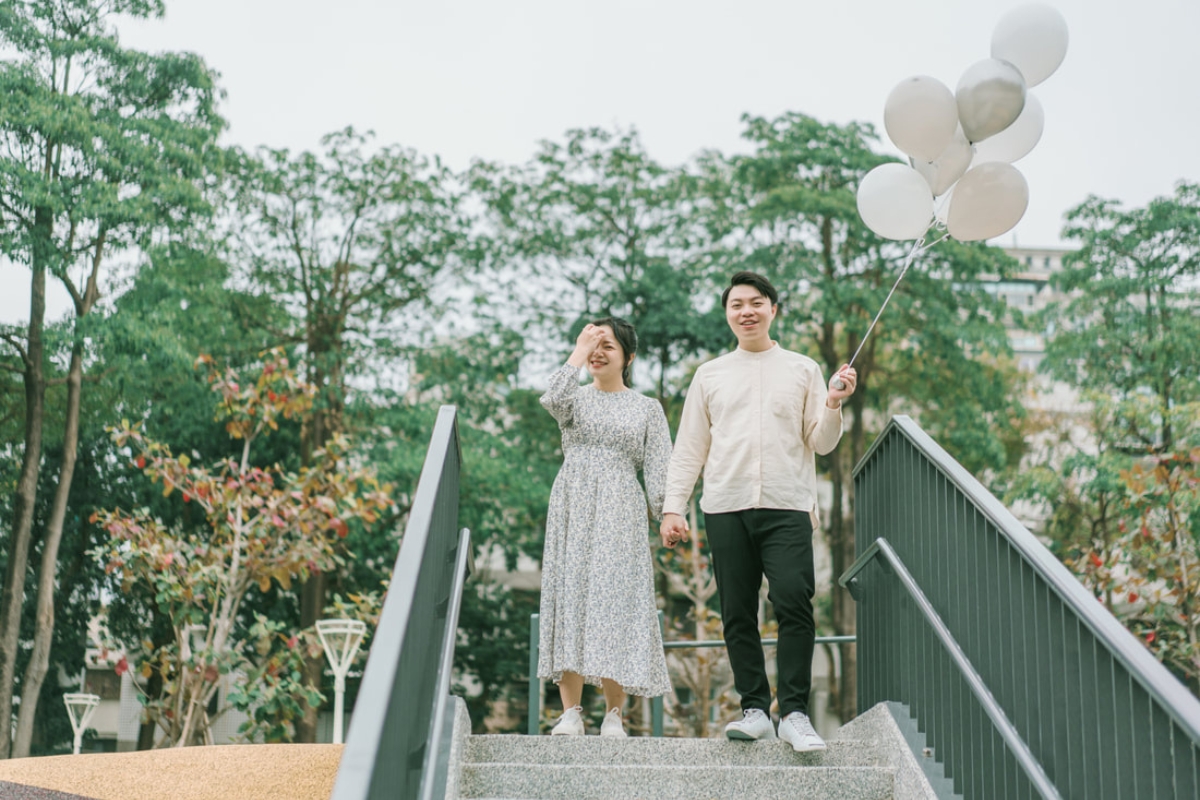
(752, 422)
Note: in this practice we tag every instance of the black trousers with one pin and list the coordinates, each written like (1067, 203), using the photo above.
(745, 546)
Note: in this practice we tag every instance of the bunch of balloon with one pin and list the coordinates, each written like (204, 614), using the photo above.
(962, 144)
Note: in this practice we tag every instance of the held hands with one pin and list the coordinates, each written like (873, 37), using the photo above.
(673, 530)
(841, 386)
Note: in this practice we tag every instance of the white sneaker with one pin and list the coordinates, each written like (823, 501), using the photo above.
(570, 723)
(612, 725)
(796, 729)
(755, 724)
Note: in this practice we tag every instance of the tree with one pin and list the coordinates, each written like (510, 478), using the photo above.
(261, 526)
(353, 243)
(100, 147)
(179, 303)
(1129, 324)
(601, 227)
(1120, 486)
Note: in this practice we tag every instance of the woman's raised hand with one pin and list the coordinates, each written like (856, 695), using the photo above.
(589, 339)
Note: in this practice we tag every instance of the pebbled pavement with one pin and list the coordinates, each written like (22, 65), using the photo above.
(223, 772)
(18, 791)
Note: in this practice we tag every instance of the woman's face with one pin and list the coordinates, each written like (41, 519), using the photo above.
(607, 360)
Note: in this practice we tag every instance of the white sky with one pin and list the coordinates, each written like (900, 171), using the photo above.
(490, 78)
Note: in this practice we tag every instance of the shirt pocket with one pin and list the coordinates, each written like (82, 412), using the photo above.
(784, 408)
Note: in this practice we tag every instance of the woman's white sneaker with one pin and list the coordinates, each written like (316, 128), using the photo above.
(570, 723)
(612, 725)
(796, 729)
(754, 725)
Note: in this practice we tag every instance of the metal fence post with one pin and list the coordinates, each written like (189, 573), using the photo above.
(656, 703)
(535, 685)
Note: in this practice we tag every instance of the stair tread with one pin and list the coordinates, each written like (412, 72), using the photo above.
(602, 781)
(518, 749)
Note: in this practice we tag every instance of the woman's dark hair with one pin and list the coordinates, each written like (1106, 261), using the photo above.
(747, 278)
(626, 337)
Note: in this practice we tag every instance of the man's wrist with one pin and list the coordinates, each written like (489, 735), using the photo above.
(833, 408)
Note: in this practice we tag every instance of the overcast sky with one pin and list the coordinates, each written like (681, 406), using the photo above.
(490, 78)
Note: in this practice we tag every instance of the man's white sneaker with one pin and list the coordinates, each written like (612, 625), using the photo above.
(755, 724)
(570, 723)
(796, 729)
(612, 725)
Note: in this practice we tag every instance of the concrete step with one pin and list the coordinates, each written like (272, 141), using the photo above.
(676, 752)
(645, 782)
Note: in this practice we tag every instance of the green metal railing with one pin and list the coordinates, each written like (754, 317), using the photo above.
(534, 721)
(398, 744)
(1023, 684)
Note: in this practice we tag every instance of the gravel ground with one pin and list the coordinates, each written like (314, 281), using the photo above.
(225, 772)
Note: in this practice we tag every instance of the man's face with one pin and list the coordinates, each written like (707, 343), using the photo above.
(749, 315)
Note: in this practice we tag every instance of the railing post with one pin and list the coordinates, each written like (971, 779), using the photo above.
(535, 685)
(656, 703)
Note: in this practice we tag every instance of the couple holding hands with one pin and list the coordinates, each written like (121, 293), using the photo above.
(752, 422)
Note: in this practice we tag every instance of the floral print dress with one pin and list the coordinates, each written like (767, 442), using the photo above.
(598, 613)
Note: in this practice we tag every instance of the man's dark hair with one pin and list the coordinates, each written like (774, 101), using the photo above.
(626, 337)
(747, 278)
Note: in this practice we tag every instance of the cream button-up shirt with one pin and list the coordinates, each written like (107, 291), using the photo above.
(753, 423)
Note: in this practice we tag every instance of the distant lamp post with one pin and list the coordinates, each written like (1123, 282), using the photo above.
(80, 707)
(341, 639)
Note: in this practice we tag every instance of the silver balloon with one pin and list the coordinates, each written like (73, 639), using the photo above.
(1014, 142)
(990, 95)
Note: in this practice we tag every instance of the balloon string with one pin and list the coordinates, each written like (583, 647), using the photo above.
(919, 246)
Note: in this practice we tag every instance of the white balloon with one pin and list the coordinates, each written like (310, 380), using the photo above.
(990, 95)
(949, 166)
(988, 201)
(1014, 142)
(920, 116)
(1033, 38)
(895, 201)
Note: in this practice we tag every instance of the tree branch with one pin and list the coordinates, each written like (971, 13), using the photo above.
(15, 343)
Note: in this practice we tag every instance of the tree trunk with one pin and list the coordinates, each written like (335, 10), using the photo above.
(43, 638)
(13, 597)
(323, 425)
(39, 659)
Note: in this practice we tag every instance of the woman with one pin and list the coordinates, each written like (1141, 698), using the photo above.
(599, 621)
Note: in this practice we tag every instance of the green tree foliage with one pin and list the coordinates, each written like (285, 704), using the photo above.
(1119, 481)
(600, 227)
(260, 527)
(352, 241)
(1130, 323)
(100, 148)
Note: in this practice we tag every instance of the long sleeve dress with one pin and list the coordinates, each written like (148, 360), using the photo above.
(598, 613)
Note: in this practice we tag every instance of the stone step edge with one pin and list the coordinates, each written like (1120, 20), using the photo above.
(489, 765)
(497, 781)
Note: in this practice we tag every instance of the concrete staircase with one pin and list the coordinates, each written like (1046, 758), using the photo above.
(868, 759)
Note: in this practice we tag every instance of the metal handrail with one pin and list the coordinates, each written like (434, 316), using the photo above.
(1023, 652)
(1011, 737)
(398, 733)
(437, 757)
(1175, 698)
